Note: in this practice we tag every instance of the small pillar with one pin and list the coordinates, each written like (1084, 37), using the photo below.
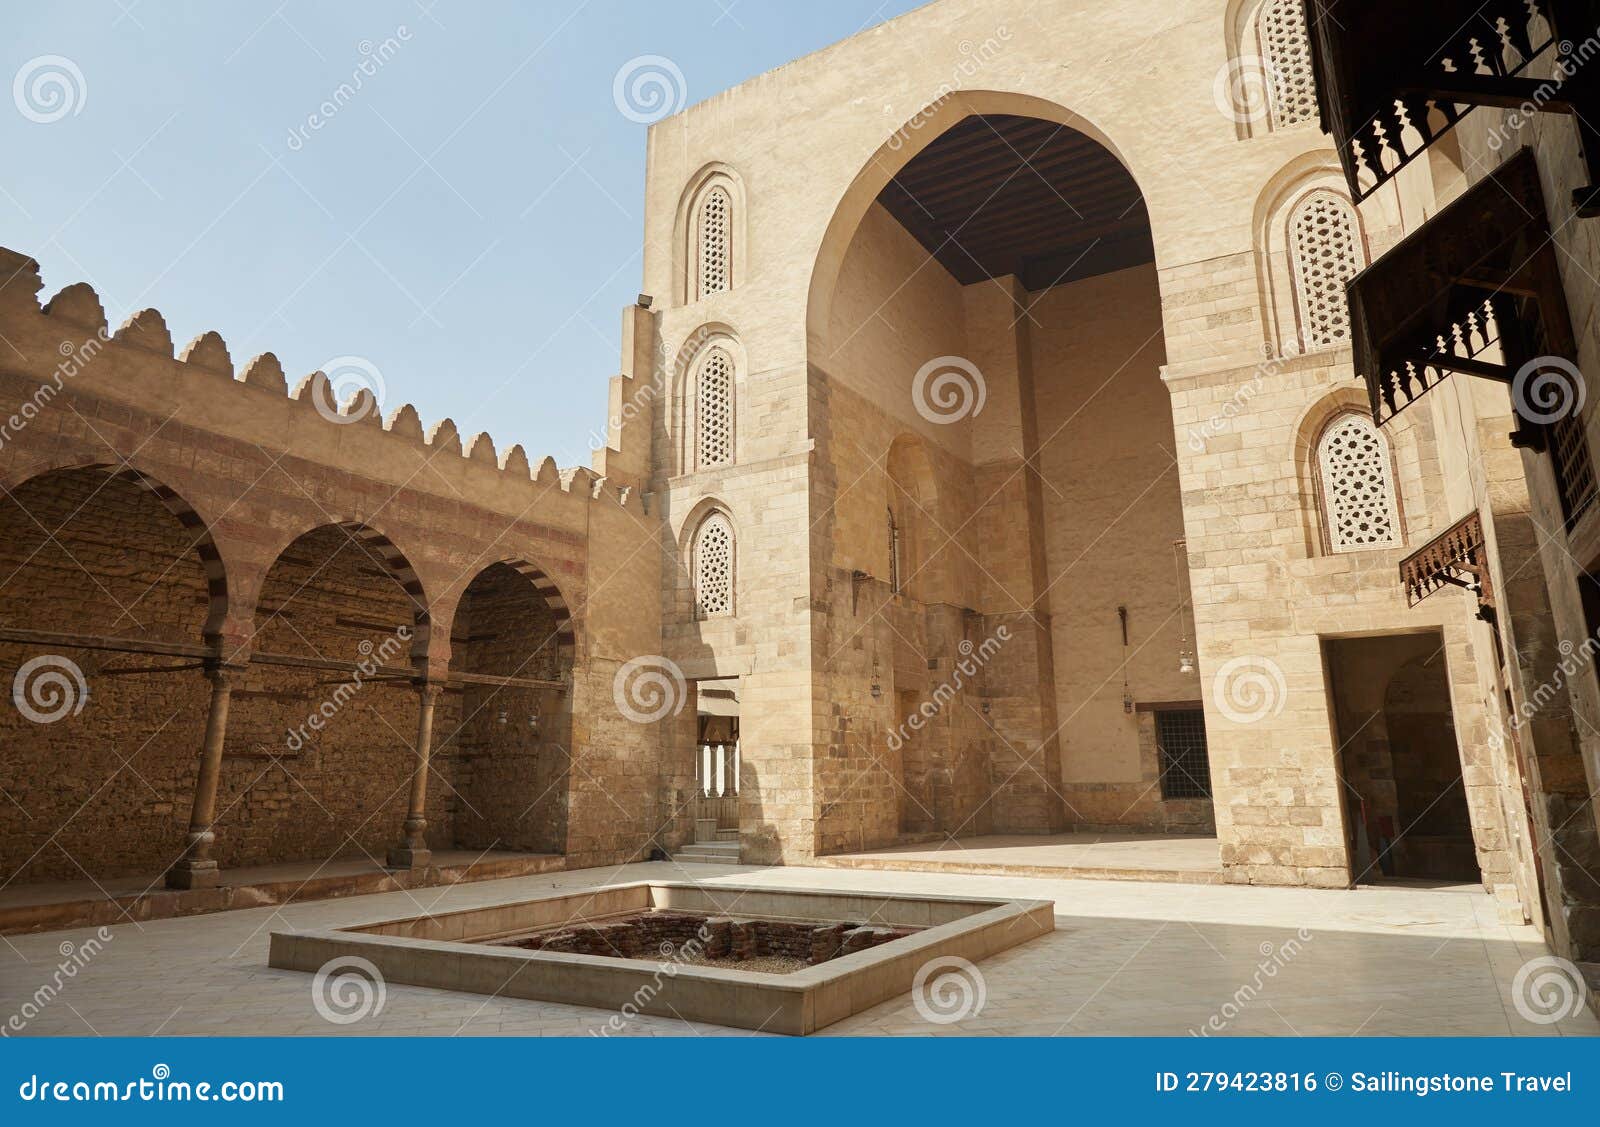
(196, 868)
(414, 853)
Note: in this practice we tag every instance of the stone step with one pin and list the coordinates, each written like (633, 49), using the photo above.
(702, 859)
(709, 853)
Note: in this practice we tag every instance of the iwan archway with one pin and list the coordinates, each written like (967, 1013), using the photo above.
(1004, 639)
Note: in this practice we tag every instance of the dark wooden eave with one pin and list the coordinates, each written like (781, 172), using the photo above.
(1475, 290)
(1393, 77)
(1001, 194)
(1455, 558)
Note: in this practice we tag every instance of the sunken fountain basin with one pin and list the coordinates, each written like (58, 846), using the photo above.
(465, 951)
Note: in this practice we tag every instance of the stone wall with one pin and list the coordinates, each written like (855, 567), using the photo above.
(225, 477)
(105, 786)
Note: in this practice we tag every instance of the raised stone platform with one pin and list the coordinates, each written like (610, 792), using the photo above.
(1168, 858)
(67, 904)
(887, 946)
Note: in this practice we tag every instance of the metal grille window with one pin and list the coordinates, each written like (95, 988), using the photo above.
(1358, 500)
(716, 243)
(1569, 450)
(1325, 248)
(714, 410)
(1185, 762)
(713, 567)
(1287, 48)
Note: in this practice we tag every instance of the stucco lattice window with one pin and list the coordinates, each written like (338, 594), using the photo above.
(714, 410)
(1325, 247)
(716, 242)
(1290, 79)
(713, 567)
(1357, 487)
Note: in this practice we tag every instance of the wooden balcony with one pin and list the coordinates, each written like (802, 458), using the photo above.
(1454, 559)
(1392, 78)
(1475, 290)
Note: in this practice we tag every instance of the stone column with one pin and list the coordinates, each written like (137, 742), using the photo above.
(196, 869)
(414, 853)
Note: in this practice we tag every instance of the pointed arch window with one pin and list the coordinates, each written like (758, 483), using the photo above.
(714, 567)
(714, 225)
(1286, 51)
(1325, 252)
(1358, 496)
(714, 410)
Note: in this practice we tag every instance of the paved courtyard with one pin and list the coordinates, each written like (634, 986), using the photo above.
(1126, 958)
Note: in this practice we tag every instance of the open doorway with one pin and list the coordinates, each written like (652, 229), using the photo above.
(1405, 803)
(716, 790)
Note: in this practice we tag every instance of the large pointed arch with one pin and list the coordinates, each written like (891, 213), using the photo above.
(195, 526)
(896, 152)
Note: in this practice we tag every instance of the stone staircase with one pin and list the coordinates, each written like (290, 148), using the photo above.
(711, 846)
(709, 853)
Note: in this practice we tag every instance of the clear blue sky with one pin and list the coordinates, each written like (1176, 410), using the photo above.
(470, 222)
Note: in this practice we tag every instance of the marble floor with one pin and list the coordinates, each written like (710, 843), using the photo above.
(1126, 958)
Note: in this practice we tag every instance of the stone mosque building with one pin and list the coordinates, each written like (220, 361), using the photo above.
(1165, 422)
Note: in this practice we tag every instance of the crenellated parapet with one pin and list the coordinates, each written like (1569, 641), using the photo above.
(144, 340)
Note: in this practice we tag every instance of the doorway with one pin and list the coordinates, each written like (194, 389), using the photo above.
(1405, 801)
(716, 762)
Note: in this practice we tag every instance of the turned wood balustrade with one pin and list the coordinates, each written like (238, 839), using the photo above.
(1454, 559)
